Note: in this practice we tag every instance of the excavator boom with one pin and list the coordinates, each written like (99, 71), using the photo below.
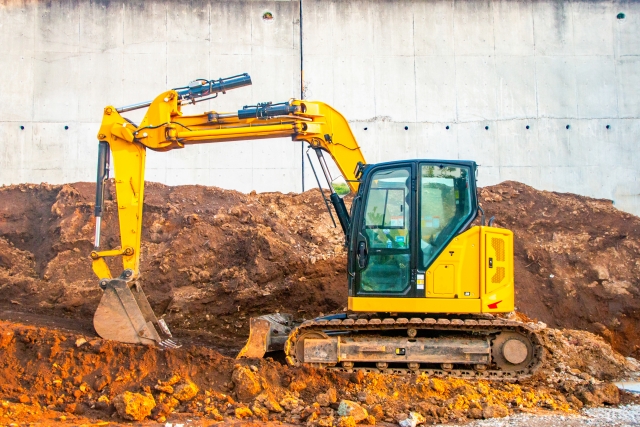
(124, 314)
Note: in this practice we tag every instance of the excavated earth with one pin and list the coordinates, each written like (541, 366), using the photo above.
(212, 258)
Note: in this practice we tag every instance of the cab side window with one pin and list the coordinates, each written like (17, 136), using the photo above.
(445, 206)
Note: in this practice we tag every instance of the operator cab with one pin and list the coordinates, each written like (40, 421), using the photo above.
(402, 218)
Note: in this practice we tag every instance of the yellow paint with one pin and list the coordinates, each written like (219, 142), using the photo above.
(165, 128)
(462, 267)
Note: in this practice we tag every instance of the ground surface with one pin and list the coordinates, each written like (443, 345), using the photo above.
(214, 258)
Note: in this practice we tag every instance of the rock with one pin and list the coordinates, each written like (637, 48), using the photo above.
(357, 377)
(297, 385)
(376, 411)
(474, 413)
(586, 397)
(186, 391)
(212, 412)
(347, 422)
(243, 412)
(289, 403)
(323, 399)
(607, 393)
(350, 408)
(400, 417)
(175, 379)
(24, 398)
(495, 411)
(412, 420)
(601, 271)
(80, 341)
(101, 383)
(260, 412)
(247, 383)
(268, 401)
(166, 406)
(333, 395)
(575, 401)
(365, 397)
(164, 388)
(371, 420)
(324, 421)
(134, 406)
(313, 409)
(427, 409)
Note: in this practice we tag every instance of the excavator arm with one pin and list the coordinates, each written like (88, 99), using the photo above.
(124, 313)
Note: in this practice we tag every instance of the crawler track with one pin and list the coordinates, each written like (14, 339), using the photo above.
(442, 326)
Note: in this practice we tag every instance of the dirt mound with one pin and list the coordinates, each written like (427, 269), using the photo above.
(210, 259)
(577, 260)
(60, 376)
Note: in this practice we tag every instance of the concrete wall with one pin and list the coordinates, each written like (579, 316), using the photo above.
(387, 65)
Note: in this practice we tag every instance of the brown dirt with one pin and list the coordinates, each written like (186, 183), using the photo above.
(46, 374)
(210, 259)
(577, 260)
(213, 258)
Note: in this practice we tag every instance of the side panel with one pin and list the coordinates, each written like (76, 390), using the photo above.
(461, 256)
(497, 270)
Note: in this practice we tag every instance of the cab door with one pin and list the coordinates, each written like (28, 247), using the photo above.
(383, 243)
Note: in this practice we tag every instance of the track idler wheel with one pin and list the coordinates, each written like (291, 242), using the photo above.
(512, 351)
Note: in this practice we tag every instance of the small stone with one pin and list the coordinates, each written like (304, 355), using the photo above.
(323, 399)
(371, 420)
(428, 409)
(247, 383)
(175, 379)
(80, 341)
(101, 383)
(164, 388)
(212, 412)
(167, 406)
(365, 397)
(297, 386)
(349, 408)
(333, 395)
(134, 406)
(348, 421)
(575, 401)
(243, 412)
(268, 401)
(24, 398)
(289, 403)
(474, 413)
(495, 411)
(357, 377)
(186, 391)
(376, 411)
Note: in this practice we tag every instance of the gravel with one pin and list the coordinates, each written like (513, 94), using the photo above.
(595, 417)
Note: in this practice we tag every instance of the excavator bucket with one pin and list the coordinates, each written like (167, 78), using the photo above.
(267, 333)
(124, 315)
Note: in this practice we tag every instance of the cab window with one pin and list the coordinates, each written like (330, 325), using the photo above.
(445, 206)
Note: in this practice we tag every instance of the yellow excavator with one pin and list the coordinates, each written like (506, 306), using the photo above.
(423, 281)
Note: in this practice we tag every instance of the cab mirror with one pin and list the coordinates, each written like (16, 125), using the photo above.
(340, 186)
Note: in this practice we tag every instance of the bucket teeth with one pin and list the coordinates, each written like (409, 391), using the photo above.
(169, 344)
(124, 315)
